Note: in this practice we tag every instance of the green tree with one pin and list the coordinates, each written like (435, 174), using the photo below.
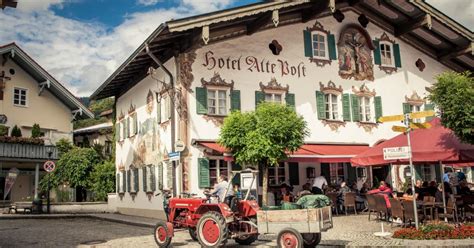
(36, 131)
(103, 180)
(16, 131)
(63, 145)
(100, 106)
(264, 136)
(453, 94)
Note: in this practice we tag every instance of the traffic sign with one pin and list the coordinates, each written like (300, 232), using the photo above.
(402, 152)
(174, 156)
(422, 114)
(49, 166)
(392, 118)
(400, 129)
(179, 146)
(420, 125)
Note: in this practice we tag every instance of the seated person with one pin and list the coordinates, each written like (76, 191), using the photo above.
(286, 195)
(464, 189)
(385, 190)
(432, 188)
(342, 191)
(305, 191)
(220, 190)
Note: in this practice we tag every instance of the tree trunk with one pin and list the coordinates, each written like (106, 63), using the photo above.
(265, 185)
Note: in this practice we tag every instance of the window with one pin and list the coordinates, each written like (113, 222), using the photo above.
(122, 184)
(217, 102)
(276, 175)
(416, 108)
(426, 172)
(133, 125)
(274, 97)
(365, 109)
(165, 106)
(336, 172)
(386, 54)
(331, 106)
(108, 148)
(19, 97)
(319, 45)
(217, 167)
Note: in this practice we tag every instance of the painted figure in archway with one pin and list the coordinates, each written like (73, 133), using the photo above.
(355, 54)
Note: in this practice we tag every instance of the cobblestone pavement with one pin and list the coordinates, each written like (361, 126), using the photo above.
(352, 231)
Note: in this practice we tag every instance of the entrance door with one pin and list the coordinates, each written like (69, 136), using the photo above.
(381, 173)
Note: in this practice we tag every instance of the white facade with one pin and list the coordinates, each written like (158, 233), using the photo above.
(246, 62)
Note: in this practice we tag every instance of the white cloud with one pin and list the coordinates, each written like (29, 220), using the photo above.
(203, 6)
(147, 2)
(35, 5)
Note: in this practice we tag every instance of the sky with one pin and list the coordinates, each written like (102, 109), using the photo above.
(82, 42)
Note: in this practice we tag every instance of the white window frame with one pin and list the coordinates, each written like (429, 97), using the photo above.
(121, 189)
(339, 106)
(427, 168)
(273, 93)
(416, 108)
(149, 178)
(220, 163)
(217, 106)
(392, 58)
(26, 97)
(132, 123)
(277, 174)
(362, 109)
(326, 51)
(165, 108)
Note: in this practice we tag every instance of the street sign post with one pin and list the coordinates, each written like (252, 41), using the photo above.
(391, 118)
(391, 153)
(422, 114)
(399, 129)
(49, 166)
(179, 146)
(424, 125)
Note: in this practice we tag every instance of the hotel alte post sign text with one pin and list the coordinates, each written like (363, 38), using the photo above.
(254, 64)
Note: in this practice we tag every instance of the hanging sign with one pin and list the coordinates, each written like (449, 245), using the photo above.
(391, 153)
(420, 125)
(392, 118)
(10, 180)
(174, 156)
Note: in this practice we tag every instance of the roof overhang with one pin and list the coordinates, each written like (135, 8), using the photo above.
(414, 22)
(42, 77)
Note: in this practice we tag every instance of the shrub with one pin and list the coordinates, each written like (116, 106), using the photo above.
(103, 180)
(16, 131)
(3, 130)
(436, 232)
(21, 140)
(36, 131)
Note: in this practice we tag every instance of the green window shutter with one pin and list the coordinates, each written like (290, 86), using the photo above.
(346, 107)
(418, 172)
(332, 47)
(308, 48)
(378, 107)
(355, 108)
(117, 131)
(259, 97)
(135, 124)
(396, 55)
(406, 108)
(160, 176)
(236, 167)
(168, 101)
(144, 179)
(429, 106)
(294, 173)
(135, 180)
(235, 100)
(320, 105)
(128, 180)
(290, 100)
(127, 127)
(201, 100)
(377, 57)
(204, 180)
(153, 178)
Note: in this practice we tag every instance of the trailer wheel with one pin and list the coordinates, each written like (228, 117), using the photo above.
(192, 233)
(311, 240)
(289, 238)
(161, 234)
(212, 230)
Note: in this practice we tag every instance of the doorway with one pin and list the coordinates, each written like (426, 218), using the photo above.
(381, 173)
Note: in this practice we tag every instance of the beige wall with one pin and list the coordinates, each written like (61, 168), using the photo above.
(46, 110)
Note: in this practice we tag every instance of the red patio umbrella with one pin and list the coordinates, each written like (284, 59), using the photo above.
(435, 144)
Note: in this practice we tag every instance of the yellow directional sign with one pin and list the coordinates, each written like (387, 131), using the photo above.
(399, 129)
(420, 125)
(422, 114)
(392, 118)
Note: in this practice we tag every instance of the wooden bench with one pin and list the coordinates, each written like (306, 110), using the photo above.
(26, 206)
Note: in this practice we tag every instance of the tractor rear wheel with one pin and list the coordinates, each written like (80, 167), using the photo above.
(161, 234)
(192, 233)
(311, 240)
(289, 238)
(248, 239)
(212, 230)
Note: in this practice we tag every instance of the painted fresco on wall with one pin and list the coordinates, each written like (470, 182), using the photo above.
(355, 55)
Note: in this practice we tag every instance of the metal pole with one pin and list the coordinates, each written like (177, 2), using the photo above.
(443, 190)
(36, 180)
(412, 169)
(48, 202)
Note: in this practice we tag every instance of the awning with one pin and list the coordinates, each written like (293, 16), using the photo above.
(323, 153)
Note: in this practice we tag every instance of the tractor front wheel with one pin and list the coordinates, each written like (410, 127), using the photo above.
(162, 237)
(289, 238)
(212, 230)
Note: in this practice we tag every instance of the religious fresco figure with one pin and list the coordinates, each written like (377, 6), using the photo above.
(355, 54)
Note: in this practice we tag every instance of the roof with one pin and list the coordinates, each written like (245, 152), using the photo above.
(22, 59)
(446, 40)
(95, 128)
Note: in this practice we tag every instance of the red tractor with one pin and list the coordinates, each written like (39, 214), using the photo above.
(212, 224)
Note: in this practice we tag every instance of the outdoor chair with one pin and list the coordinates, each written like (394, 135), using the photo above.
(333, 197)
(397, 210)
(451, 211)
(350, 201)
(428, 205)
(371, 204)
(468, 205)
(381, 206)
(409, 212)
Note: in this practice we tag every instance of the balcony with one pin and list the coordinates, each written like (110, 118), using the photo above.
(28, 152)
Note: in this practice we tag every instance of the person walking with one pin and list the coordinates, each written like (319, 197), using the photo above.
(318, 185)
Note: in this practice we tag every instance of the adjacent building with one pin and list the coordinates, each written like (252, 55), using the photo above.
(340, 64)
(29, 95)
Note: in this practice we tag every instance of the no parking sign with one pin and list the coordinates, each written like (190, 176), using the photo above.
(49, 166)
